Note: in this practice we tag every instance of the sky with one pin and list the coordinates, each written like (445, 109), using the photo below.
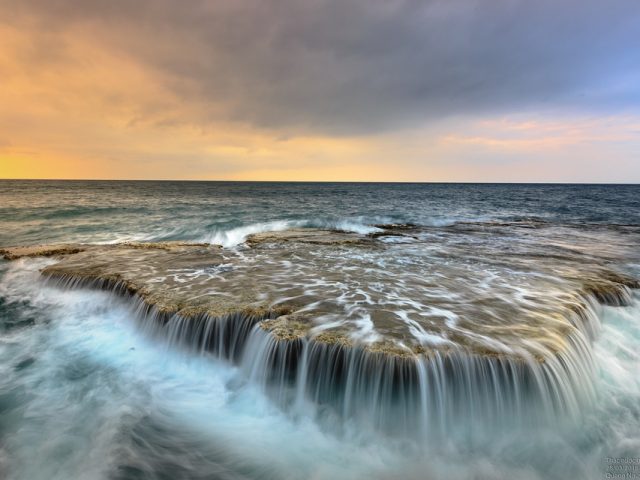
(335, 90)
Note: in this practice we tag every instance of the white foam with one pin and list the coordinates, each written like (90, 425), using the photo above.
(236, 236)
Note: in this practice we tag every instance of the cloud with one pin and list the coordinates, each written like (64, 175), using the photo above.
(437, 90)
(348, 67)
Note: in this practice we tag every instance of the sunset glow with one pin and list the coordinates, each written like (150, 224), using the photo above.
(330, 92)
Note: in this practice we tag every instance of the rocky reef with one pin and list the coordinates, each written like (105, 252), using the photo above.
(432, 322)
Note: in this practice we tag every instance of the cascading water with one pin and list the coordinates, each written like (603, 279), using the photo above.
(75, 363)
(419, 396)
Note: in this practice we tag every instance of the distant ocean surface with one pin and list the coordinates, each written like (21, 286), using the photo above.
(37, 211)
(536, 281)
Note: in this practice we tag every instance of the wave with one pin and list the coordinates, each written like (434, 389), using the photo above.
(238, 235)
(363, 225)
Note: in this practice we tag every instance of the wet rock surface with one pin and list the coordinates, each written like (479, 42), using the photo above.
(521, 290)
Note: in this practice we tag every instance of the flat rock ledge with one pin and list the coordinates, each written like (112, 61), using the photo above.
(148, 272)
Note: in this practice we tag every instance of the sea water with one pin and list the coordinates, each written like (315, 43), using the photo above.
(85, 393)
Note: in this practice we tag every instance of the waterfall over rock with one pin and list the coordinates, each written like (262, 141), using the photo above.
(418, 337)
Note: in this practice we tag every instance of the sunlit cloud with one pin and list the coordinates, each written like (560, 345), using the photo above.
(374, 91)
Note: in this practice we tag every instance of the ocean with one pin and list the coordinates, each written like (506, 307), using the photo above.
(420, 331)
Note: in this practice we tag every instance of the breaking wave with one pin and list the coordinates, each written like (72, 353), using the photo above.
(237, 235)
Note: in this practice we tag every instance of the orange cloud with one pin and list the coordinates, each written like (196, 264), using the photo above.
(73, 108)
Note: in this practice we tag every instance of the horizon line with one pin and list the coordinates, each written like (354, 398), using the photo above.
(391, 182)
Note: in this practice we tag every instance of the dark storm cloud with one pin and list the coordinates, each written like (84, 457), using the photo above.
(354, 66)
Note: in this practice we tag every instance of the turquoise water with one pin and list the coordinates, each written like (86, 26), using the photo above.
(85, 394)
